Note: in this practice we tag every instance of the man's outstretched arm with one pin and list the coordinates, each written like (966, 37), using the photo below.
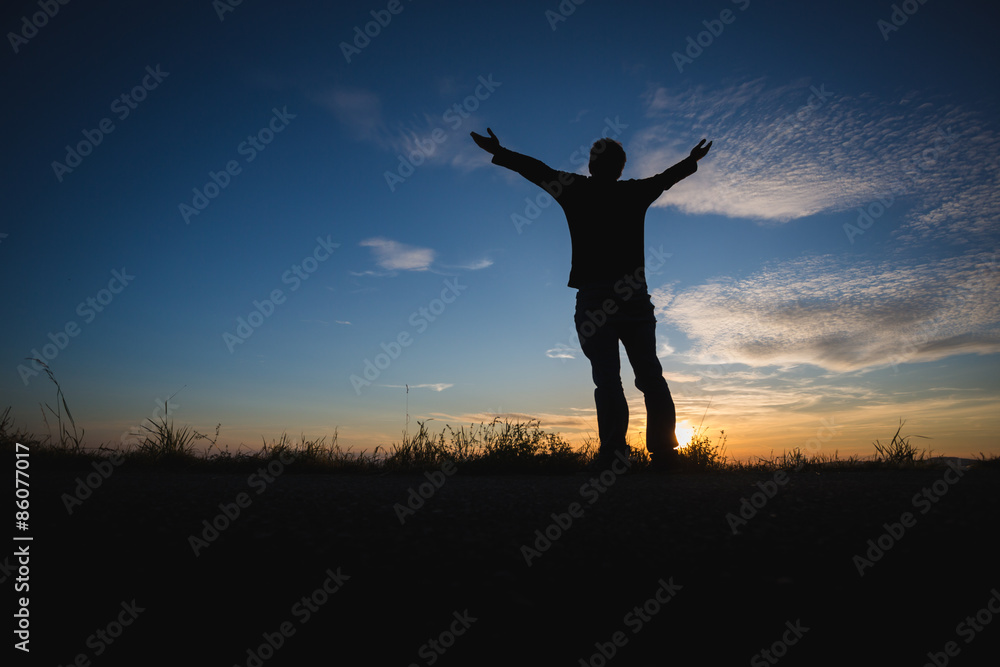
(534, 170)
(665, 179)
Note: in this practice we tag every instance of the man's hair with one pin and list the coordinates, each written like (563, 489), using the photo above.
(607, 158)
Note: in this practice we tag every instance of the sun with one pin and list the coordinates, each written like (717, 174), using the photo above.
(684, 432)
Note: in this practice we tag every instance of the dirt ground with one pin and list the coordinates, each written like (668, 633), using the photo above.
(631, 569)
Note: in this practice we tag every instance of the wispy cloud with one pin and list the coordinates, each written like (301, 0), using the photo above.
(561, 351)
(474, 265)
(395, 256)
(440, 386)
(359, 110)
(842, 317)
(424, 137)
(789, 151)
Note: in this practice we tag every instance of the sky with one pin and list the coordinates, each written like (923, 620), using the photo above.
(271, 216)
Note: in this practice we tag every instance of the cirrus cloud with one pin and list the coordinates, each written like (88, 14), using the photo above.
(784, 152)
(839, 317)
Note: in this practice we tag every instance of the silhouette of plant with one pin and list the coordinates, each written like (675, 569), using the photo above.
(701, 454)
(899, 451)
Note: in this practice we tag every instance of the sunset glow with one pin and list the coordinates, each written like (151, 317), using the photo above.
(684, 433)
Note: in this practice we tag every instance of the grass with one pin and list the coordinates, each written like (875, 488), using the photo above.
(497, 447)
(67, 440)
(899, 450)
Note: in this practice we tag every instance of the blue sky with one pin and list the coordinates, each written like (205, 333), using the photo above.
(276, 202)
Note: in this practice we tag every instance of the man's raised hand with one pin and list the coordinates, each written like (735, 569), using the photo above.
(489, 144)
(699, 151)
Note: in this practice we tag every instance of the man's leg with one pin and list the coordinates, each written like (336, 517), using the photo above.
(600, 345)
(638, 335)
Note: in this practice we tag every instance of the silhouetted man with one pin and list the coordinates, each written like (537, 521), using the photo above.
(606, 219)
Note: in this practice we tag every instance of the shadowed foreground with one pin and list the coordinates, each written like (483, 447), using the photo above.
(459, 557)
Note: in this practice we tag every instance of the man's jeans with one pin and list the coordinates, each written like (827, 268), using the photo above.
(602, 319)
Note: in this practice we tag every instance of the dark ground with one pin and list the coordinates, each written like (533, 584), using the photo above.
(461, 551)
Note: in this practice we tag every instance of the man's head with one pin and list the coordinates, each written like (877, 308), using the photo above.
(607, 159)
